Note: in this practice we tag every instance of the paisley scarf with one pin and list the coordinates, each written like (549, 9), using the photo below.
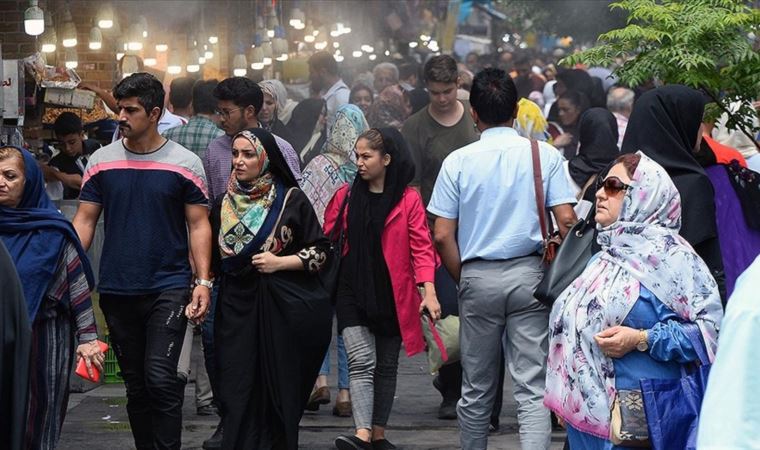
(642, 248)
(246, 205)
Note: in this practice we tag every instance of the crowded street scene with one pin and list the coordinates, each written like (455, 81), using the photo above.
(379, 224)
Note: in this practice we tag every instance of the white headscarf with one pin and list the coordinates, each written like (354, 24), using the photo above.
(642, 248)
(277, 90)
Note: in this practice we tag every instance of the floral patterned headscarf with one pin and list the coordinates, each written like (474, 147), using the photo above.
(642, 248)
(246, 205)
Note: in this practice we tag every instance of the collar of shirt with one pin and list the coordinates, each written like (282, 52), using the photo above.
(334, 88)
(498, 131)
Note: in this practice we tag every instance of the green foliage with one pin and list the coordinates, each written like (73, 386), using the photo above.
(704, 44)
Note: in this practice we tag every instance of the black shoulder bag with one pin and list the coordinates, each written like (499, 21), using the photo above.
(570, 260)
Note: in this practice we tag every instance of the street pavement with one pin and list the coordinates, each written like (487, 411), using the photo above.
(97, 420)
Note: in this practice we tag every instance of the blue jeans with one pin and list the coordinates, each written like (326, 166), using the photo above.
(342, 364)
(207, 337)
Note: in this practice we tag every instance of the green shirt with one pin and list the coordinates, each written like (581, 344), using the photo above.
(195, 135)
(430, 143)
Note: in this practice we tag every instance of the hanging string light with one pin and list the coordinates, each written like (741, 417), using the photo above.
(49, 39)
(71, 59)
(266, 47)
(105, 16)
(239, 65)
(175, 62)
(34, 19)
(69, 30)
(193, 63)
(96, 38)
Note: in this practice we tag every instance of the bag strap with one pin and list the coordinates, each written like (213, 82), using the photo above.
(438, 340)
(538, 185)
(339, 220)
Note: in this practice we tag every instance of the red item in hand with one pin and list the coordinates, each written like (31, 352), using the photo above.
(82, 366)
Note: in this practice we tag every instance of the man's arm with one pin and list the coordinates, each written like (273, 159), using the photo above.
(445, 236)
(199, 230)
(70, 180)
(565, 216)
(85, 221)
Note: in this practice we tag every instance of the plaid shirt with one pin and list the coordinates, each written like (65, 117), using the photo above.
(195, 135)
(217, 163)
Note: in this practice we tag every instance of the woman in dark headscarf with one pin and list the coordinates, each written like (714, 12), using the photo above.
(307, 128)
(597, 135)
(571, 106)
(273, 317)
(389, 254)
(56, 279)
(665, 125)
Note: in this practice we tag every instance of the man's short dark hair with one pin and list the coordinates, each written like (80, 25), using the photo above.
(67, 123)
(241, 91)
(493, 96)
(204, 101)
(324, 60)
(441, 69)
(148, 90)
(181, 92)
(408, 69)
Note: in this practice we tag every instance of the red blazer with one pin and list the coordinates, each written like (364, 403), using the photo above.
(409, 255)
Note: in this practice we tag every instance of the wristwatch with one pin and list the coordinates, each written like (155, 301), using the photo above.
(643, 344)
(207, 283)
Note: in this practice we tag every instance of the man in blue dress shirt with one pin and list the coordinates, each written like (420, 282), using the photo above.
(487, 232)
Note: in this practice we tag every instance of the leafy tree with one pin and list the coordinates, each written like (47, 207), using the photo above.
(705, 44)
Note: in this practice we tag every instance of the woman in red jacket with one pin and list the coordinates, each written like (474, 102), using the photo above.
(389, 254)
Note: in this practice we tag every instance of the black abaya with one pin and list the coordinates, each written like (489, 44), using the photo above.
(271, 334)
(15, 348)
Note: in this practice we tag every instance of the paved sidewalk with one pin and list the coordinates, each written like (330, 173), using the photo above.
(97, 420)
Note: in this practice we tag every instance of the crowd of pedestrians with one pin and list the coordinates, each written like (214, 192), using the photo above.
(415, 194)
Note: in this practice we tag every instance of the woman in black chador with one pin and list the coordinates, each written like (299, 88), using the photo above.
(273, 318)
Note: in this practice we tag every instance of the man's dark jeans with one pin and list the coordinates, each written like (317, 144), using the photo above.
(207, 337)
(147, 332)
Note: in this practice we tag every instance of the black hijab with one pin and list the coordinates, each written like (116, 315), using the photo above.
(303, 120)
(664, 125)
(277, 163)
(361, 234)
(598, 136)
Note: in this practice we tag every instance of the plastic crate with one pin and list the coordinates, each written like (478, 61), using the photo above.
(112, 369)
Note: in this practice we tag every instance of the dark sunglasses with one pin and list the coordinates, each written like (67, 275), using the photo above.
(612, 185)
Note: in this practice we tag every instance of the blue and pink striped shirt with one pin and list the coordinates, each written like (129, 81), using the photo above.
(145, 250)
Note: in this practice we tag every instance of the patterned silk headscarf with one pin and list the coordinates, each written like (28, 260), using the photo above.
(336, 166)
(246, 205)
(642, 248)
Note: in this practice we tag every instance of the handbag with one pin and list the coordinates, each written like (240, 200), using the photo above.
(328, 276)
(569, 262)
(628, 421)
(672, 406)
(746, 183)
(442, 339)
(551, 238)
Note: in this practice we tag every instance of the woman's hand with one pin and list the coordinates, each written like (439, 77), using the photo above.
(563, 140)
(267, 262)
(91, 353)
(430, 301)
(617, 341)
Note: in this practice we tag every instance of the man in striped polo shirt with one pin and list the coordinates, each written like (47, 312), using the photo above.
(153, 194)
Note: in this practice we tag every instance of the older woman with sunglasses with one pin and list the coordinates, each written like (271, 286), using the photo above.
(642, 308)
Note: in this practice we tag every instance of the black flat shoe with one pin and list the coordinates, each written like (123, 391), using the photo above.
(382, 444)
(352, 443)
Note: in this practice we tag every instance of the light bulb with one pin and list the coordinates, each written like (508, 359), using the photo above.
(270, 33)
(357, 54)
(336, 44)
(34, 20)
(119, 55)
(309, 38)
(69, 34)
(367, 48)
(213, 39)
(162, 47)
(71, 60)
(372, 57)
(150, 62)
(208, 54)
(48, 48)
(105, 17)
(96, 39)
(71, 64)
(339, 58)
(192, 68)
(239, 72)
(174, 70)
(320, 45)
(413, 45)
(201, 60)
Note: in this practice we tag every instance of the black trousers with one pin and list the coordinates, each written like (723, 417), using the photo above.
(147, 332)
